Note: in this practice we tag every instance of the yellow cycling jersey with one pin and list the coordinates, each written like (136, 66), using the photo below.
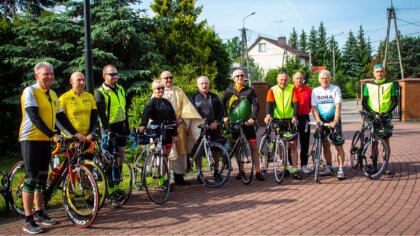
(78, 108)
(47, 104)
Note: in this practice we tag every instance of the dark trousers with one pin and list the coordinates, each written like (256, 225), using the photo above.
(304, 138)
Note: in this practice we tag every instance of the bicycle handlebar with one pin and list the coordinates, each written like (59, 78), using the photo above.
(63, 140)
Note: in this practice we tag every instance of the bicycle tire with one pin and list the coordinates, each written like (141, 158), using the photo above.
(245, 163)
(280, 161)
(138, 163)
(368, 168)
(217, 172)
(156, 182)
(80, 195)
(119, 189)
(266, 152)
(317, 161)
(100, 178)
(354, 150)
(17, 176)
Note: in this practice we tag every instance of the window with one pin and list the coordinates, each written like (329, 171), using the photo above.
(261, 47)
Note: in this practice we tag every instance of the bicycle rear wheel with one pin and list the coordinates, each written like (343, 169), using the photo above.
(375, 158)
(280, 161)
(317, 160)
(214, 170)
(354, 150)
(246, 165)
(266, 151)
(80, 195)
(100, 179)
(157, 178)
(138, 163)
(17, 176)
(120, 182)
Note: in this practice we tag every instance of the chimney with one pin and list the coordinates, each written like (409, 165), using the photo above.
(282, 41)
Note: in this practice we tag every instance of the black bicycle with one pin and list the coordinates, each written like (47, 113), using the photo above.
(244, 160)
(368, 150)
(316, 150)
(211, 160)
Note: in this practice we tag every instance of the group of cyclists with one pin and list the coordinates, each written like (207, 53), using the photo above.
(76, 113)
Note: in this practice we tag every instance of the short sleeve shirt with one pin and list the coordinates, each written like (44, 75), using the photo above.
(325, 100)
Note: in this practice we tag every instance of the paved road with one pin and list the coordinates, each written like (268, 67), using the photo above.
(356, 205)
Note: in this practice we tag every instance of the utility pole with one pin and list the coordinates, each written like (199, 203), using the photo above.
(391, 15)
(244, 54)
(333, 51)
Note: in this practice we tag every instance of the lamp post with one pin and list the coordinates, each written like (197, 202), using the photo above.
(245, 48)
(88, 48)
(333, 51)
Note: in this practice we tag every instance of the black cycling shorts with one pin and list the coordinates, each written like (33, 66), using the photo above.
(36, 155)
(249, 132)
(119, 128)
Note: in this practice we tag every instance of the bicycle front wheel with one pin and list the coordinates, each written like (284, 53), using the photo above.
(375, 158)
(100, 179)
(214, 169)
(138, 163)
(317, 160)
(354, 150)
(156, 178)
(17, 176)
(266, 151)
(80, 195)
(280, 161)
(246, 165)
(120, 182)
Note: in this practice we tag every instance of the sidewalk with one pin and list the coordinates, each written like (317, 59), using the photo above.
(356, 205)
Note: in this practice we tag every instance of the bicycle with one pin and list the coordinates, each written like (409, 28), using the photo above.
(143, 143)
(368, 148)
(213, 170)
(284, 133)
(5, 188)
(117, 169)
(244, 160)
(156, 174)
(316, 150)
(77, 183)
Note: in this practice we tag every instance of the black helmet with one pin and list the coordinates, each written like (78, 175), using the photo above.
(290, 136)
(385, 133)
(336, 139)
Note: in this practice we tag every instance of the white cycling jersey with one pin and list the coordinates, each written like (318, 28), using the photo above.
(325, 100)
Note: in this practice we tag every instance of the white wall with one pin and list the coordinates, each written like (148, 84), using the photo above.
(272, 58)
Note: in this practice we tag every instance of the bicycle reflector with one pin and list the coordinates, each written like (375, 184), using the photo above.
(336, 139)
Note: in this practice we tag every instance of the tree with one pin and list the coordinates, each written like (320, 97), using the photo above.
(312, 45)
(364, 54)
(303, 44)
(233, 47)
(31, 7)
(320, 55)
(293, 39)
(350, 60)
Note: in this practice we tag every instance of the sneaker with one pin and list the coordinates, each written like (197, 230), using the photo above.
(259, 176)
(42, 218)
(32, 227)
(286, 172)
(340, 174)
(327, 171)
(296, 175)
(305, 169)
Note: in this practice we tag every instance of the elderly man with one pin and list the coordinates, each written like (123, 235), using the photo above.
(303, 96)
(326, 107)
(40, 110)
(187, 118)
(210, 108)
(380, 97)
(79, 106)
(241, 102)
(282, 104)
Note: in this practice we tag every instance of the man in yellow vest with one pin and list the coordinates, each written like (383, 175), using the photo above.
(79, 106)
(282, 104)
(380, 97)
(111, 104)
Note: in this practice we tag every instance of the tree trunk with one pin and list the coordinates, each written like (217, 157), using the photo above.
(5, 9)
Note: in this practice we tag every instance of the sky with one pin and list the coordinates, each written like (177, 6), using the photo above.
(274, 18)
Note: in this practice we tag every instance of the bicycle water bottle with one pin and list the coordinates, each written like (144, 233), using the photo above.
(271, 146)
(53, 176)
(56, 161)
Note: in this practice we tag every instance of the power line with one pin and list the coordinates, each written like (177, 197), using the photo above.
(410, 23)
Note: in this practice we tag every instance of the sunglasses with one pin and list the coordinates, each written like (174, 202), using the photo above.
(168, 77)
(239, 76)
(113, 74)
(160, 88)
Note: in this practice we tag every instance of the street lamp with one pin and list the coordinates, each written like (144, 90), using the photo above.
(244, 47)
(333, 51)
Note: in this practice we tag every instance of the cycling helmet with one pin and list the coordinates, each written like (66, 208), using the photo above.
(336, 139)
(385, 133)
(153, 131)
(290, 136)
